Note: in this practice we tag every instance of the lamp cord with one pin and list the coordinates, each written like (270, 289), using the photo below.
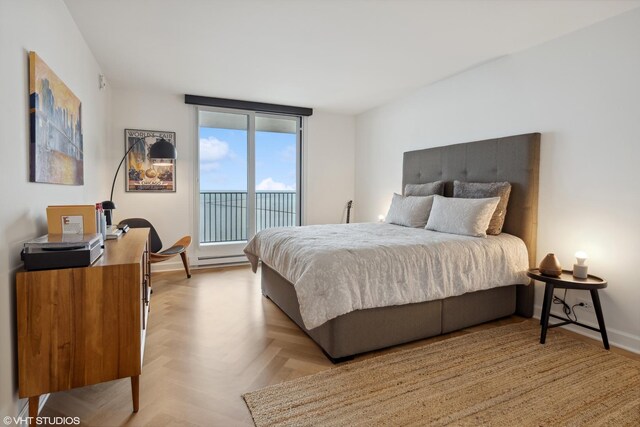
(120, 165)
(568, 310)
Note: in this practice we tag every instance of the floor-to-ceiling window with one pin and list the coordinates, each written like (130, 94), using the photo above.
(248, 177)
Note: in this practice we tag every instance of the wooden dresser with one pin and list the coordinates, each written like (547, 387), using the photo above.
(82, 326)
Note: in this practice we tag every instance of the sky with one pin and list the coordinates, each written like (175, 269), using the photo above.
(223, 160)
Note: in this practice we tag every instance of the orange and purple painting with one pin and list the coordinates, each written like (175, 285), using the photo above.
(56, 152)
(144, 173)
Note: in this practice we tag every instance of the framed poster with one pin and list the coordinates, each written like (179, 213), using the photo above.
(143, 173)
(55, 115)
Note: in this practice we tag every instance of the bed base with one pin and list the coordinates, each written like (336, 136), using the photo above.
(337, 360)
(375, 328)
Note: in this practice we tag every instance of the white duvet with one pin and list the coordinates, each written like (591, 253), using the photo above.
(341, 268)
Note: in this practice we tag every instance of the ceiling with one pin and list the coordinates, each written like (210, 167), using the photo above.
(345, 56)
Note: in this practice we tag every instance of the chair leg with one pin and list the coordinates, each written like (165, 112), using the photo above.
(185, 262)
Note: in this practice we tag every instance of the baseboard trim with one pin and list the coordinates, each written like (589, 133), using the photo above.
(617, 338)
(167, 266)
(201, 262)
(170, 266)
(222, 260)
(222, 264)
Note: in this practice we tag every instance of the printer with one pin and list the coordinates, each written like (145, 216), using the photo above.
(62, 251)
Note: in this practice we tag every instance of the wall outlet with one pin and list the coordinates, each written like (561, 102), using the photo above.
(588, 304)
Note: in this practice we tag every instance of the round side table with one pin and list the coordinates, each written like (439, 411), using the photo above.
(567, 281)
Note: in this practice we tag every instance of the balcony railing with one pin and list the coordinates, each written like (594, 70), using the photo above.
(223, 214)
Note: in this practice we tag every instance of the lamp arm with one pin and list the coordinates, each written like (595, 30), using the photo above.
(115, 177)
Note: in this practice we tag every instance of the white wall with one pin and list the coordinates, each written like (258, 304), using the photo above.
(328, 164)
(329, 157)
(582, 92)
(170, 213)
(47, 28)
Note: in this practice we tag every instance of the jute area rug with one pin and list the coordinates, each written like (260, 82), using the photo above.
(497, 377)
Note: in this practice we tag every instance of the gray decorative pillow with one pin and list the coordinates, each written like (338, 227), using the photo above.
(428, 189)
(409, 211)
(469, 217)
(481, 190)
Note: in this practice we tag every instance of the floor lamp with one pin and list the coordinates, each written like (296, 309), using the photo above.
(161, 149)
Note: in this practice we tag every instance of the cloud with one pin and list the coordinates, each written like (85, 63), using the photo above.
(209, 167)
(268, 184)
(289, 154)
(212, 151)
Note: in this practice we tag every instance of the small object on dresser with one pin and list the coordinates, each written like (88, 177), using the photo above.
(113, 232)
(580, 269)
(71, 219)
(101, 221)
(550, 266)
(62, 251)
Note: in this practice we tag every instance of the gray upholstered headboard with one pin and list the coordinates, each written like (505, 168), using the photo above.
(514, 158)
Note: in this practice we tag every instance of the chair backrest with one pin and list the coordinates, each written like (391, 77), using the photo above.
(156, 243)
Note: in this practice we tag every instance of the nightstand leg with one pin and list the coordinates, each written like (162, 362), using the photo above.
(596, 304)
(544, 304)
(548, 300)
(135, 392)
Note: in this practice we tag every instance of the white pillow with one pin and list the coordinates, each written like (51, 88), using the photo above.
(410, 211)
(469, 217)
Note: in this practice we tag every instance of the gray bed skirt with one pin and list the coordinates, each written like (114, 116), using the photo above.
(375, 328)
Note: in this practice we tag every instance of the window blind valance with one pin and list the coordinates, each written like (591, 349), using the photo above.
(247, 105)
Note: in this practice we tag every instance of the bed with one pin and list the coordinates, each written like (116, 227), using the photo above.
(514, 159)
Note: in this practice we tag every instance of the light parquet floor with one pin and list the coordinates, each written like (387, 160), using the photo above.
(210, 339)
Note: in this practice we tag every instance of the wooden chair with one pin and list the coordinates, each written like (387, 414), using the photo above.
(157, 254)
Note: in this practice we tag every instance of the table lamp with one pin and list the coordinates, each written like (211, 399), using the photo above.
(580, 269)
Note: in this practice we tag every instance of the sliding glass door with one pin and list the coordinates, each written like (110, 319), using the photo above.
(223, 177)
(248, 179)
(276, 171)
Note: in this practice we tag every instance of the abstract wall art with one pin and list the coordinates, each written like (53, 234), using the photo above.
(56, 146)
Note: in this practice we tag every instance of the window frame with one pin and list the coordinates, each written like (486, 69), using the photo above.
(231, 252)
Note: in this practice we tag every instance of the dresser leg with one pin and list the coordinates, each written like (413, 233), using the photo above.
(596, 305)
(34, 402)
(135, 392)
